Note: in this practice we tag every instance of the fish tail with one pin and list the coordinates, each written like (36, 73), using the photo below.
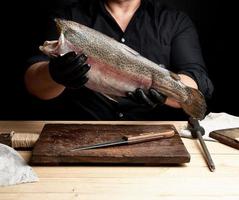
(195, 105)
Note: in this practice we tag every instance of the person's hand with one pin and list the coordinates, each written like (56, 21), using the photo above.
(151, 99)
(69, 70)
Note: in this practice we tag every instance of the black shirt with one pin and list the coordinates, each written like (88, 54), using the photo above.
(162, 35)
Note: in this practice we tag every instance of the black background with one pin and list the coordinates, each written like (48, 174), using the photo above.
(23, 22)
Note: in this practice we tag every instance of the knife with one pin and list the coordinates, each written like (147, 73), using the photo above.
(131, 139)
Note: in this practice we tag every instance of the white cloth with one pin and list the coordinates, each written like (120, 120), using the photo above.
(13, 168)
(212, 122)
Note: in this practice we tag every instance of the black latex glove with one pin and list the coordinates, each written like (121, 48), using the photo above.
(69, 70)
(152, 99)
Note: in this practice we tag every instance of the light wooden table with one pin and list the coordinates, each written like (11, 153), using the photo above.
(188, 182)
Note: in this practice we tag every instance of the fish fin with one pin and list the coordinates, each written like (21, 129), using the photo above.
(175, 76)
(58, 25)
(195, 105)
(135, 53)
(111, 97)
(162, 66)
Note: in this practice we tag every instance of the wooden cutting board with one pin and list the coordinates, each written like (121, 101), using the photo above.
(56, 140)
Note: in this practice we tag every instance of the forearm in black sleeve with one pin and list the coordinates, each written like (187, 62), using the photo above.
(186, 55)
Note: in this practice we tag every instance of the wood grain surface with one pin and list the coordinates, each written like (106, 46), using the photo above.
(189, 181)
(227, 136)
(56, 141)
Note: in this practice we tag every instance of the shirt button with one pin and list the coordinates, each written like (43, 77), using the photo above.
(121, 115)
(123, 40)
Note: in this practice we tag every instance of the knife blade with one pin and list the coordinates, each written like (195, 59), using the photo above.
(130, 139)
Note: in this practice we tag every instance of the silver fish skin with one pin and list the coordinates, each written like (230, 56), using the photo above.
(117, 69)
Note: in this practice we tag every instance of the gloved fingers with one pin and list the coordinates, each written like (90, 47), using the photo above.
(65, 59)
(69, 59)
(157, 97)
(76, 72)
(74, 60)
(140, 97)
(82, 57)
(69, 56)
(80, 71)
(131, 95)
(143, 98)
(84, 80)
(75, 67)
(69, 69)
(78, 82)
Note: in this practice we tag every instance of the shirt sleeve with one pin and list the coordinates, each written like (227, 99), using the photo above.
(186, 55)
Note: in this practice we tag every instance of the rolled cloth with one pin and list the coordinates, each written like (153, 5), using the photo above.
(13, 168)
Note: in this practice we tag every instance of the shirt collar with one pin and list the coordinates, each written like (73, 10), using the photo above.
(101, 6)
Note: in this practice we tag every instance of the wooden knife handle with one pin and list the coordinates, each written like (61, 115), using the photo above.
(149, 136)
